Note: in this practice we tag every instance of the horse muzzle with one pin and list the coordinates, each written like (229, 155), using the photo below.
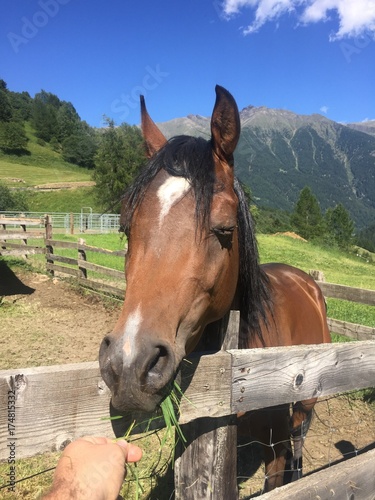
(138, 380)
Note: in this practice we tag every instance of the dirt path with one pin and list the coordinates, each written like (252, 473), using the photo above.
(50, 322)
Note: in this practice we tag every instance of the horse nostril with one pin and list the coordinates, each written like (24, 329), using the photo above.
(107, 361)
(160, 360)
(107, 341)
(158, 370)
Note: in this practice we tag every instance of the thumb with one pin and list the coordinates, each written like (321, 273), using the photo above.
(132, 452)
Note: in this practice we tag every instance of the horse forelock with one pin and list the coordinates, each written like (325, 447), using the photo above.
(182, 156)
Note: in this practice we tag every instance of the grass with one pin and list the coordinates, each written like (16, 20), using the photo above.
(41, 165)
(34, 175)
(64, 200)
(338, 267)
(344, 310)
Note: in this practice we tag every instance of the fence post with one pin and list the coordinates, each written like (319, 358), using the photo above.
(3, 240)
(82, 257)
(206, 465)
(71, 223)
(48, 243)
(23, 228)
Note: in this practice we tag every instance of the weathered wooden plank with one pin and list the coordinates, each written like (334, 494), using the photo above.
(353, 478)
(9, 245)
(21, 221)
(61, 402)
(20, 235)
(62, 269)
(206, 382)
(352, 330)
(19, 253)
(59, 258)
(103, 287)
(102, 269)
(88, 248)
(276, 375)
(347, 293)
(61, 244)
(54, 405)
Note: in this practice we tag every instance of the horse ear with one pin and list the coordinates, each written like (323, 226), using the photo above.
(154, 139)
(225, 124)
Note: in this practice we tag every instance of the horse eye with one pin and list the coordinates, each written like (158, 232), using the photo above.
(224, 235)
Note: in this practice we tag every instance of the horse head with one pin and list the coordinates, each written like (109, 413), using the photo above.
(182, 262)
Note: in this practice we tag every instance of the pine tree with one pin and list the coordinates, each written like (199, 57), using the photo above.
(120, 154)
(12, 136)
(340, 226)
(6, 111)
(307, 218)
(10, 200)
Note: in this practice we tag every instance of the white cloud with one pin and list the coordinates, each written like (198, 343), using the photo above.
(324, 109)
(356, 17)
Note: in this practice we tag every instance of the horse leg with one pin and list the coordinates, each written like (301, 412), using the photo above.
(299, 425)
(271, 428)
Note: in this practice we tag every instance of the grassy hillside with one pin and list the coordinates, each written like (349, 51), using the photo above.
(40, 166)
(338, 267)
(65, 200)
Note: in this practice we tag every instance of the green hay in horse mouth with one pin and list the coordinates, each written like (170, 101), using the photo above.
(168, 409)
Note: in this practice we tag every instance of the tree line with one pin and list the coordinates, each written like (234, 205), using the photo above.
(113, 153)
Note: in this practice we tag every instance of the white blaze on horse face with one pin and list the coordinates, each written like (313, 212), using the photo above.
(131, 328)
(170, 192)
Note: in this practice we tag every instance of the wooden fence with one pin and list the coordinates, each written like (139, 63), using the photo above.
(56, 404)
(60, 265)
(18, 246)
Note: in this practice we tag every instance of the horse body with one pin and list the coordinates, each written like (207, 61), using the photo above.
(298, 317)
(192, 255)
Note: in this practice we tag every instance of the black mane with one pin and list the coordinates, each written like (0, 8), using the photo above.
(192, 158)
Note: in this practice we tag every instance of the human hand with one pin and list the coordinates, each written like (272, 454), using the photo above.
(92, 468)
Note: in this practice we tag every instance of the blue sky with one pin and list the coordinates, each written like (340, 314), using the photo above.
(307, 56)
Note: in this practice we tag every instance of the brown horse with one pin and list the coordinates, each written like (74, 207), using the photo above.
(192, 255)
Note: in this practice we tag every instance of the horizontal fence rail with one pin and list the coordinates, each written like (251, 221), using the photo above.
(347, 293)
(350, 479)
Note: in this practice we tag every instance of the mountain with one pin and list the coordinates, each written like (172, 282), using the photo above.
(368, 126)
(281, 152)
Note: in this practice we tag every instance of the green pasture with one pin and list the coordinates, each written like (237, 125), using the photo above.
(40, 165)
(35, 174)
(64, 200)
(337, 266)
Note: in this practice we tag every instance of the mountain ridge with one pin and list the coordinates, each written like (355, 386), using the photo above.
(280, 152)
